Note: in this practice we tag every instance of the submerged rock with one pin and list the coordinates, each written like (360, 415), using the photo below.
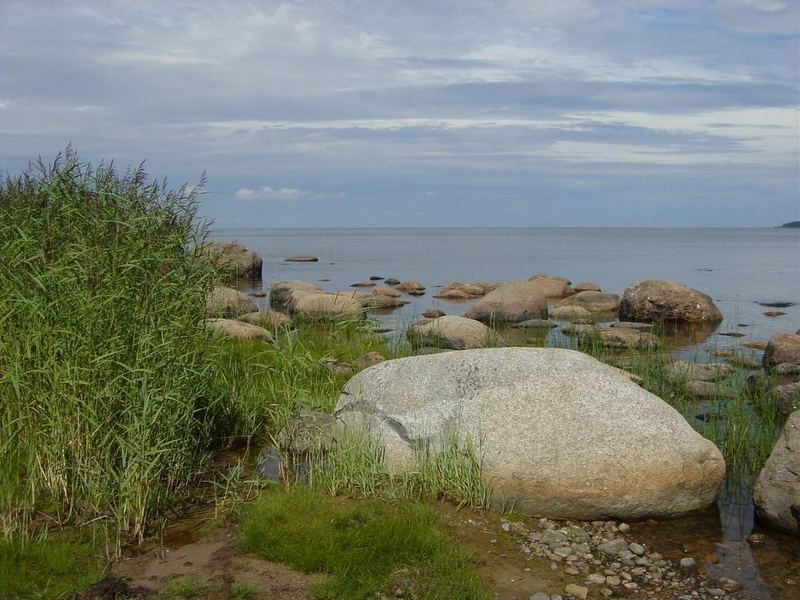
(706, 390)
(512, 302)
(656, 300)
(450, 332)
(227, 303)
(411, 286)
(680, 371)
(535, 324)
(549, 426)
(234, 259)
(783, 348)
(433, 313)
(302, 258)
(777, 490)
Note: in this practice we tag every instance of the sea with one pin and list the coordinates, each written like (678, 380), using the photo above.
(743, 270)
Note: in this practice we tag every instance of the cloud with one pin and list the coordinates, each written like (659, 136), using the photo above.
(484, 101)
(283, 194)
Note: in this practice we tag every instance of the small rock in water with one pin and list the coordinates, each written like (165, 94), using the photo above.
(731, 334)
(729, 585)
(391, 281)
(375, 278)
(756, 539)
(363, 284)
(302, 258)
(773, 313)
(433, 313)
(776, 304)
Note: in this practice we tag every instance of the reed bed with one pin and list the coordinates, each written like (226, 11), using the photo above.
(109, 404)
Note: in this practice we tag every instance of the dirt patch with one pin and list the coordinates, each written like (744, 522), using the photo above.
(215, 561)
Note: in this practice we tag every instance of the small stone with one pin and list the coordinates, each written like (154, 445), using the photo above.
(572, 571)
(564, 551)
(712, 559)
(729, 585)
(613, 580)
(595, 579)
(540, 596)
(552, 537)
(613, 547)
(688, 564)
(756, 539)
(624, 527)
(578, 591)
(637, 549)
(716, 592)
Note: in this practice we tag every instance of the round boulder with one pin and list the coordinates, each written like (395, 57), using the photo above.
(546, 423)
(237, 329)
(451, 332)
(228, 303)
(777, 490)
(512, 302)
(282, 292)
(594, 302)
(656, 300)
(587, 286)
(323, 307)
(234, 259)
(782, 348)
(552, 287)
(571, 313)
(270, 320)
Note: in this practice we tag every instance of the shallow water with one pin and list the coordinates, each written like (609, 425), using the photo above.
(739, 268)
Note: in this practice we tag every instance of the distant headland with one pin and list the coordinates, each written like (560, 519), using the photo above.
(795, 224)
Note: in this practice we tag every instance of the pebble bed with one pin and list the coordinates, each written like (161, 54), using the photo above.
(607, 563)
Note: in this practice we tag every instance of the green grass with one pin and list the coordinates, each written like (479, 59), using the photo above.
(367, 547)
(54, 569)
(109, 405)
(185, 588)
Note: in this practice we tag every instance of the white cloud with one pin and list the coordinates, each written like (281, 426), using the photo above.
(284, 194)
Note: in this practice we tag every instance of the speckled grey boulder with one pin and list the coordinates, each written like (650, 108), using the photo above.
(561, 433)
(777, 490)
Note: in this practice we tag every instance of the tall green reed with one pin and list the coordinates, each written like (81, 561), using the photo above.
(108, 404)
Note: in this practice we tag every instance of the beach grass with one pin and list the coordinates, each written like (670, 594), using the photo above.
(367, 547)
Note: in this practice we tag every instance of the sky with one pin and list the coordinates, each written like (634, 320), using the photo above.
(422, 114)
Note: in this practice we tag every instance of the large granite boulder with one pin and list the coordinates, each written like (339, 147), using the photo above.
(552, 287)
(777, 490)
(656, 300)
(282, 292)
(594, 302)
(234, 259)
(783, 348)
(451, 332)
(560, 433)
(237, 329)
(512, 302)
(227, 303)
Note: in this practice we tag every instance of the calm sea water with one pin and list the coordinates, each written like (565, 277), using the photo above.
(736, 267)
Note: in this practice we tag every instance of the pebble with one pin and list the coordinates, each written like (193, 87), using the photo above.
(688, 564)
(578, 591)
(595, 579)
(540, 596)
(637, 549)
